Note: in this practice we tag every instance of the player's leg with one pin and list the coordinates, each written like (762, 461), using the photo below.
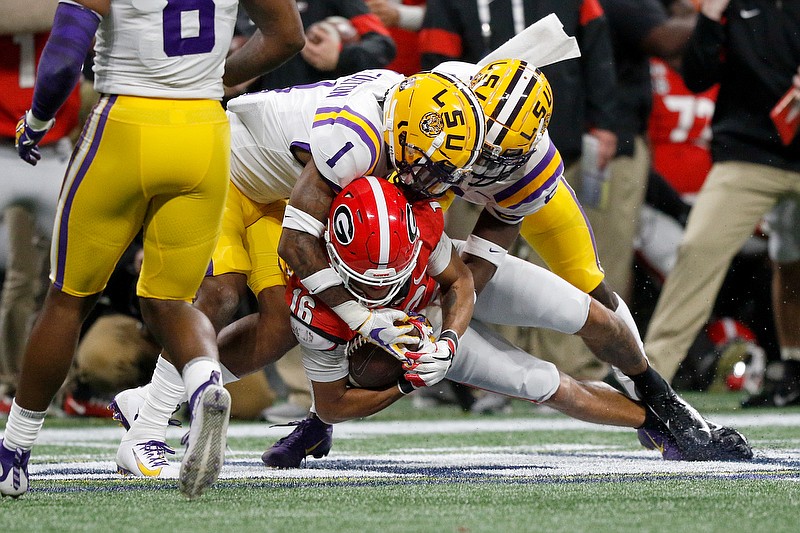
(146, 413)
(561, 234)
(185, 174)
(261, 338)
(100, 210)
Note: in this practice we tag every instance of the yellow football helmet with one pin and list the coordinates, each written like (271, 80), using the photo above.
(518, 102)
(434, 130)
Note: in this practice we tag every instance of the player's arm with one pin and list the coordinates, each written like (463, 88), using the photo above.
(71, 36)
(431, 363)
(336, 402)
(486, 247)
(301, 247)
(300, 244)
(457, 293)
(278, 38)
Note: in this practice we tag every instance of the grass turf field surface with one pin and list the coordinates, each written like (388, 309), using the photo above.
(410, 470)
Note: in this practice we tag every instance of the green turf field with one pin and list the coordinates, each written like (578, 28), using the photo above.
(409, 470)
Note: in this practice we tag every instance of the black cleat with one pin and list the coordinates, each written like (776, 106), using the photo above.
(690, 430)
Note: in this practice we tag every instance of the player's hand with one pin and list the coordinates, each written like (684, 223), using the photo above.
(28, 138)
(379, 328)
(429, 367)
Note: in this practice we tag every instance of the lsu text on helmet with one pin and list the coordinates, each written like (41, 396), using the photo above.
(518, 102)
(372, 239)
(434, 131)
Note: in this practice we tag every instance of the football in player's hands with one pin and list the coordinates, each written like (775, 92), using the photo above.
(371, 366)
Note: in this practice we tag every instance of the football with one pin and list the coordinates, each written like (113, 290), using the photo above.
(372, 367)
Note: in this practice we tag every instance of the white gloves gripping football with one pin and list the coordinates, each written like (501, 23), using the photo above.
(430, 364)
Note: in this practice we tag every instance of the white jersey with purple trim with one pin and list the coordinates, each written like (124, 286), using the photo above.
(161, 49)
(347, 133)
(524, 192)
(340, 121)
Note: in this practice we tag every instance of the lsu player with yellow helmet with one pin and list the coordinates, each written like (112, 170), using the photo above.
(304, 143)
(518, 180)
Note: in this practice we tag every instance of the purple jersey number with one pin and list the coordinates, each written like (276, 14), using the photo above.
(202, 43)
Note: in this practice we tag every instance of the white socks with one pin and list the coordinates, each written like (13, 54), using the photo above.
(22, 427)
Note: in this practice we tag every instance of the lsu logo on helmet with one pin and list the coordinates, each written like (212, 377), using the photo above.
(434, 130)
(431, 124)
(518, 102)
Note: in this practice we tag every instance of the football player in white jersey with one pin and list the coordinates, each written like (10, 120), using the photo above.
(277, 138)
(153, 156)
(518, 180)
(393, 253)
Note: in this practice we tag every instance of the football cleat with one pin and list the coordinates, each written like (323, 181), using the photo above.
(125, 407)
(145, 459)
(660, 439)
(727, 444)
(205, 441)
(689, 430)
(13, 471)
(312, 437)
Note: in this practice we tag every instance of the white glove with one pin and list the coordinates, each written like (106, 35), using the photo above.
(378, 327)
(429, 367)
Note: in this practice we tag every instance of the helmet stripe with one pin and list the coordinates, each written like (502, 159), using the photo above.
(507, 115)
(383, 221)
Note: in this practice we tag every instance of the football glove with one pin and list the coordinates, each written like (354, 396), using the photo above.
(379, 328)
(429, 367)
(28, 138)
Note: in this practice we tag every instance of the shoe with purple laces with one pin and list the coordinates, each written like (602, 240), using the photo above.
(312, 437)
(145, 459)
(13, 471)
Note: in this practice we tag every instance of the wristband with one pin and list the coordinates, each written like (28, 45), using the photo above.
(353, 313)
(452, 339)
(38, 125)
(486, 250)
(299, 220)
(321, 280)
(405, 386)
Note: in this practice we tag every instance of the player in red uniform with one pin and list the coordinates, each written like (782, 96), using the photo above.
(394, 254)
